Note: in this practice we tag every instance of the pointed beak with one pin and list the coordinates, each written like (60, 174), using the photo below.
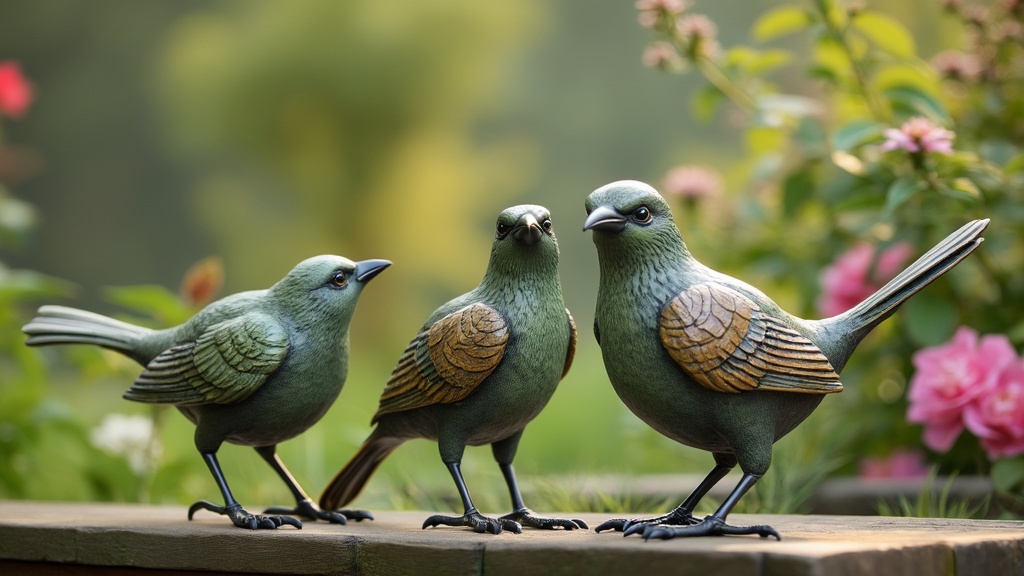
(527, 230)
(367, 269)
(605, 219)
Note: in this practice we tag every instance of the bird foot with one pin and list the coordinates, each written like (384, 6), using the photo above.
(709, 526)
(307, 509)
(526, 517)
(475, 520)
(676, 517)
(239, 517)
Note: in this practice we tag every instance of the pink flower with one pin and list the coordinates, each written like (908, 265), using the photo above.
(660, 55)
(692, 182)
(919, 135)
(948, 378)
(652, 11)
(899, 464)
(958, 65)
(15, 91)
(851, 279)
(996, 416)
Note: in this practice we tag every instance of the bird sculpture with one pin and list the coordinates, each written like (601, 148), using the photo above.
(710, 361)
(479, 370)
(255, 368)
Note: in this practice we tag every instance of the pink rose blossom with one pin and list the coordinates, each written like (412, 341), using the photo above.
(948, 378)
(899, 464)
(996, 417)
(850, 279)
(919, 135)
(15, 91)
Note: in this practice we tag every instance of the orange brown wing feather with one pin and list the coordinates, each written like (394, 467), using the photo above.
(725, 343)
(447, 361)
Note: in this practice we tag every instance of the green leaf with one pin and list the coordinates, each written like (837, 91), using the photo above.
(856, 133)
(1016, 164)
(929, 320)
(706, 102)
(901, 190)
(155, 301)
(797, 189)
(781, 21)
(885, 33)
(911, 101)
(1008, 473)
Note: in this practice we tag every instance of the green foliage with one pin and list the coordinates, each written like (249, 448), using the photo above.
(932, 503)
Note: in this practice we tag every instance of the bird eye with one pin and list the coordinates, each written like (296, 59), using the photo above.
(339, 280)
(642, 215)
(547, 225)
(503, 229)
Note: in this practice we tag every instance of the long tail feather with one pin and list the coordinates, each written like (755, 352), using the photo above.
(64, 325)
(860, 319)
(349, 482)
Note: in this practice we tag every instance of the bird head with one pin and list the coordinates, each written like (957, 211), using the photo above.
(326, 286)
(629, 216)
(523, 237)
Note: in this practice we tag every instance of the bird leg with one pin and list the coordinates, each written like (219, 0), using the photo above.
(231, 508)
(681, 516)
(472, 517)
(714, 525)
(304, 505)
(525, 516)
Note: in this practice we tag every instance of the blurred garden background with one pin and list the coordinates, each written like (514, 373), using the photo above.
(155, 154)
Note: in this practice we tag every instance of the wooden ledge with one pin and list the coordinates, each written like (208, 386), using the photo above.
(60, 538)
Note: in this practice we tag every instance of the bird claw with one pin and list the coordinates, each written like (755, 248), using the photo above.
(676, 517)
(239, 517)
(709, 526)
(526, 517)
(475, 520)
(307, 509)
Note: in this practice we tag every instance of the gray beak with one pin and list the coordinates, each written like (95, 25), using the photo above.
(605, 219)
(527, 230)
(367, 269)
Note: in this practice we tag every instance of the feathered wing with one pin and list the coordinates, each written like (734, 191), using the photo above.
(446, 361)
(726, 343)
(225, 364)
(571, 352)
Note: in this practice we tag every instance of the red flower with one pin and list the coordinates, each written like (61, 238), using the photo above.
(16, 91)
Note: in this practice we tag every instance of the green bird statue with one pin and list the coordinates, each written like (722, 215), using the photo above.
(255, 368)
(710, 361)
(480, 369)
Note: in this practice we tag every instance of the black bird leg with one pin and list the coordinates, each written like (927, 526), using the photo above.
(714, 525)
(304, 505)
(681, 516)
(231, 508)
(472, 517)
(525, 516)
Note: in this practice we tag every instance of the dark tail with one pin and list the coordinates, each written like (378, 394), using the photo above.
(63, 325)
(349, 482)
(860, 319)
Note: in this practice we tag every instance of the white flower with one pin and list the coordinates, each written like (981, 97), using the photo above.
(130, 437)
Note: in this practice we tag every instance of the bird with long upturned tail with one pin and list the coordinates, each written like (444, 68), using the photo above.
(710, 361)
(255, 368)
(478, 371)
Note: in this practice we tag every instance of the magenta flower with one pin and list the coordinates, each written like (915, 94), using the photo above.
(996, 417)
(900, 464)
(919, 135)
(949, 378)
(692, 182)
(16, 92)
(851, 279)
